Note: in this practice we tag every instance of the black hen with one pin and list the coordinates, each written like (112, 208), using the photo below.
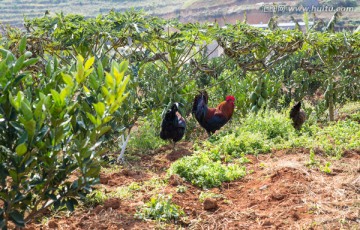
(173, 125)
(297, 115)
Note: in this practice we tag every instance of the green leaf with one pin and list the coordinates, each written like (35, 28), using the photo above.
(118, 76)
(104, 130)
(14, 102)
(48, 69)
(30, 127)
(30, 62)
(26, 110)
(17, 218)
(109, 80)
(92, 118)
(56, 63)
(64, 93)
(121, 90)
(19, 64)
(70, 205)
(99, 108)
(105, 91)
(124, 66)
(100, 70)
(89, 63)
(107, 119)
(67, 79)
(22, 45)
(19, 78)
(88, 72)
(80, 70)
(56, 97)
(21, 149)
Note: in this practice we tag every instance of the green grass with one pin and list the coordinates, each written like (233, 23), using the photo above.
(204, 195)
(95, 198)
(127, 192)
(146, 136)
(203, 171)
(221, 157)
(160, 208)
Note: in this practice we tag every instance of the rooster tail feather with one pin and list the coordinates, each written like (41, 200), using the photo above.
(201, 97)
(200, 105)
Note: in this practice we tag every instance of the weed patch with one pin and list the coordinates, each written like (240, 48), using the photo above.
(160, 208)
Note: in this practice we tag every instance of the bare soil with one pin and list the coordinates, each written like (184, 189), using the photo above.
(279, 192)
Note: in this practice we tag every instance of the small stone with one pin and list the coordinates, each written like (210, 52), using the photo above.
(175, 180)
(98, 209)
(112, 203)
(267, 223)
(52, 224)
(263, 187)
(104, 180)
(210, 204)
(277, 196)
(295, 216)
(352, 216)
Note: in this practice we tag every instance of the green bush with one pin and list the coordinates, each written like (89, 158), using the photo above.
(51, 127)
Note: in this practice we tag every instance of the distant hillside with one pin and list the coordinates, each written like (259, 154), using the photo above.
(225, 11)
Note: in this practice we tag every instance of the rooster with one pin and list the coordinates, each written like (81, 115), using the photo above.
(297, 115)
(212, 119)
(173, 125)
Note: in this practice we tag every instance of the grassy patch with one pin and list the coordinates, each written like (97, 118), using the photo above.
(204, 172)
(273, 131)
(160, 208)
(146, 136)
(204, 195)
(220, 158)
(95, 198)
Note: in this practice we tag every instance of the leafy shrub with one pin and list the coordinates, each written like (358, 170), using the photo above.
(51, 127)
(161, 209)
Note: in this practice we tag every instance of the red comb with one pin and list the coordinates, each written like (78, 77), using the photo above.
(230, 98)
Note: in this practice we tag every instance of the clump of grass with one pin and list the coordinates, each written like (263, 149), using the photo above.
(160, 208)
(95, 198)
(203, 172)
(134, 189)
(126, 192)
(204, 195)
(181, 188)
(146, 136)
(272, 125)
(326, 168)
(312, 159)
